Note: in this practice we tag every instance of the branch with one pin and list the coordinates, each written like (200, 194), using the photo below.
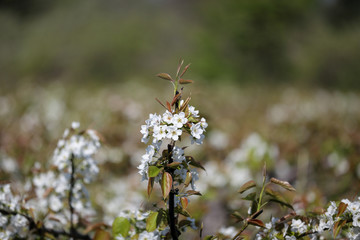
(41, 230)
(72, 184)
(172, 220)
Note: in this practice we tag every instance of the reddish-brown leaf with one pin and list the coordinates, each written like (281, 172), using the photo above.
(102, 235)
(150, 186)
(165, 76)
(256, 222)
(175, 99)
(185, 69)
(166, 184)
(181, 62)
(192, 192)
(168, 106)
(94, 226)
(341, 209)
(185, 81)
(283, 184)
(184, 202)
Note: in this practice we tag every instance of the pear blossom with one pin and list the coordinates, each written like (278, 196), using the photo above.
(356, 220)
(196, 131)
(298, 226)
(160, 132)
(173, 133)
(167, 117)
(193, 112)
(179, 120)
(75, 125)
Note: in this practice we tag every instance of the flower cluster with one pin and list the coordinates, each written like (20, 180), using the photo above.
(170, 126)
(137, 226)
(14, 225)
(61, 198)
(343, 217)
(287, 231)
(351, 214)
(73, 166)
(136, 222)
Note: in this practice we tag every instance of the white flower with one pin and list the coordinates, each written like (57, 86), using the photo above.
(173, 133)
(352, 235)
(331, 210)
(324, 225)
(298, 226)
(3, 220)
(160, 132)
(178, 154)
(354, 207)
(196, 130)
(197, 141)
(66, 133)
(153, 120)
(167, 117)
(203, 123)
(228, 231)
(19, 221)
(193, 112)
(144, 130)
(179, 120)
(75, 125)
(143, 168)
(55, 203)
(356, 220)
(148, 236)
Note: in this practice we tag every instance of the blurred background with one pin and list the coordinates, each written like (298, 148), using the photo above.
(277, 81)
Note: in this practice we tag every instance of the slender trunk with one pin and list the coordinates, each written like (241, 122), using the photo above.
(172, 218)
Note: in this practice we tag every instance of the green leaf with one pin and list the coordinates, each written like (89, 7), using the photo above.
(121, 226)
(187, 179)
(283, 184)
(250, 197)
(184, 223)
(209, 237)
(151, 222)
(153, 171)
(166, 184)
(194, 163)
(238, 217)
(182, 211)
(282, 203)
(246, 186)
(338, 226)
(276, 197)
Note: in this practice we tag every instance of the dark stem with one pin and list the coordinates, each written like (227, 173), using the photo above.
(40, 230)
(72, 184)
(172, 218)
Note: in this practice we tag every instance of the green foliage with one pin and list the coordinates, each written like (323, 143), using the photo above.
(121, 226)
